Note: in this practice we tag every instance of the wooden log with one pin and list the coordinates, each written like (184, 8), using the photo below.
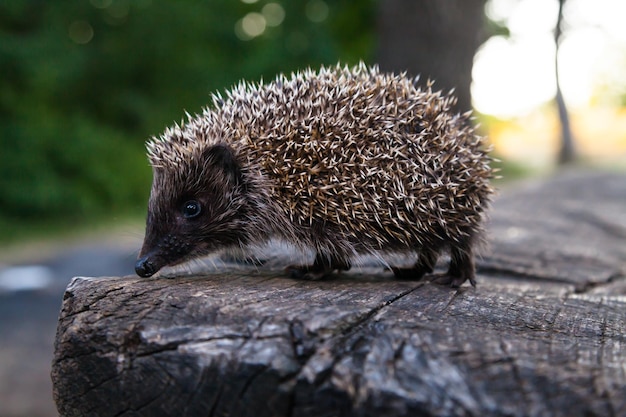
(544, 332)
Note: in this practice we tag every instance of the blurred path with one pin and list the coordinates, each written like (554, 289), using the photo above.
(30, 299)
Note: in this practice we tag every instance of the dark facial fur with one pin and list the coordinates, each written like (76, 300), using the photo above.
(194, 210)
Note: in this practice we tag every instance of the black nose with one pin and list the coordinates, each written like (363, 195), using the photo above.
(145, 268)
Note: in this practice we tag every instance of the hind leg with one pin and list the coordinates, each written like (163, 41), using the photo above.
(322, 267)
(461, 266)
(425, 265)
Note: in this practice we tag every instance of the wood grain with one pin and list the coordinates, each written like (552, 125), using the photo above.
(544, 332)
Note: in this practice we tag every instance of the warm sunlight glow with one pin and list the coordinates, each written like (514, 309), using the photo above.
(514, 77)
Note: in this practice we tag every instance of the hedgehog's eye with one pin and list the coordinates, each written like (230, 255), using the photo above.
(191, 209)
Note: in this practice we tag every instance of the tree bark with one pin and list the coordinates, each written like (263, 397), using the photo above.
(542, 333)
(435, 39)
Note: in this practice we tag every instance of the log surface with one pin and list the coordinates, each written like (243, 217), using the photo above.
(543, 333)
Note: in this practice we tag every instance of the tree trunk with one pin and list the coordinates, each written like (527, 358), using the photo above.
(567, 152)
(436, 39)
(541, 335)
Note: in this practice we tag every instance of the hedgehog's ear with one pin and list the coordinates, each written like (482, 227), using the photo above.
(223, 157)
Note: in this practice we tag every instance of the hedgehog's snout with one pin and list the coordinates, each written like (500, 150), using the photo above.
(169, 250)
(145, 267)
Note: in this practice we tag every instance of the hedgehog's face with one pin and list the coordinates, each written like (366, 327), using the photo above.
(193, 210)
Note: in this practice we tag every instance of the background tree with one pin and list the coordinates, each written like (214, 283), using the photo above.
(433, 38)
(567, 151)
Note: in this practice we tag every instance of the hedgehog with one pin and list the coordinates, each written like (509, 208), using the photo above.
(343, 161)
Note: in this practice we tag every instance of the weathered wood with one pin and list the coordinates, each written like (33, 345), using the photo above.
(544, 333)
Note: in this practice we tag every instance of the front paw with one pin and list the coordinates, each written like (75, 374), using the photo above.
(451, 280)
(305, 273)
(408, 274)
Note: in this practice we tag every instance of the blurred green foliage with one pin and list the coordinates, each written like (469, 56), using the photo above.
(84, 83)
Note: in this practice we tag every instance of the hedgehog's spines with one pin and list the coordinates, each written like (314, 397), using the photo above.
(344, 145)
